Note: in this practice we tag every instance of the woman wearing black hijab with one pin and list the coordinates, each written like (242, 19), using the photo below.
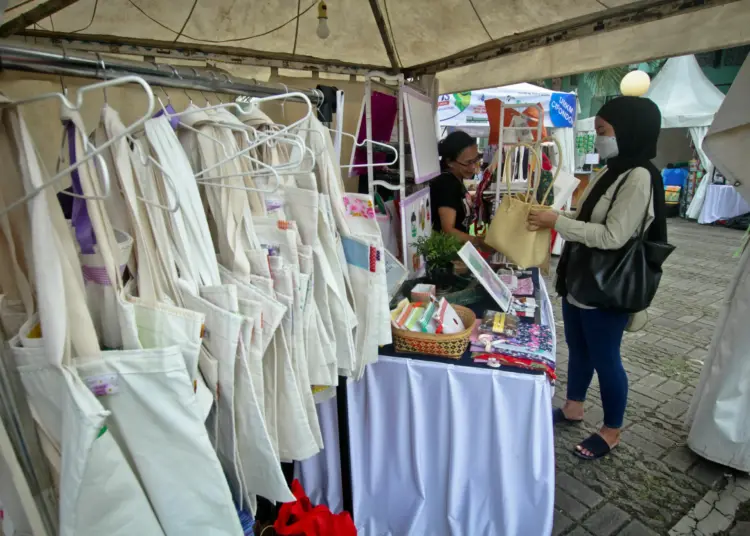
(611, 211)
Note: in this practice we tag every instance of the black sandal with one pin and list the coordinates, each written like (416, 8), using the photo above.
(596, 445)
(558, 417)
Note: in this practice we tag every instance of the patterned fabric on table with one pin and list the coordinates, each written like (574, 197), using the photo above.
(533, 342)
(519, 362)
(525, 287)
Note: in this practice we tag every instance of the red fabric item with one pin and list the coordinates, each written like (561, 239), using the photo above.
(301, 518)
(552, 241)
(546, 164)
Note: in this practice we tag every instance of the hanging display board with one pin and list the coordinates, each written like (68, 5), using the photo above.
(383, 112)
(420, 121)
(416, 218)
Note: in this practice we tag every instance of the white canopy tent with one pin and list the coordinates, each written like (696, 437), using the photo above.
(684, 95)
(489, 45)
(687, 99)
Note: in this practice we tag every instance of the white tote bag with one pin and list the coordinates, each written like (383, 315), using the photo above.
(101, 296)
(320, 336)
(154, 408)
(94, 476)
(243, 440)
(296, 438)
(362, 261)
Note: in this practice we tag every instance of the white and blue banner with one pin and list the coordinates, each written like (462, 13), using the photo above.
(466, 110)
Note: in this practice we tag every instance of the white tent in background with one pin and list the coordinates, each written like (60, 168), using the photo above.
(687, 99)
(684, 95)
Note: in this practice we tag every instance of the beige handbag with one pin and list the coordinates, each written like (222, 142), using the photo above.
(508, 232)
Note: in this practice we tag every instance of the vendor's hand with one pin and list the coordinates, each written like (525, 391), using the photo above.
(542, 219)
(481, 245)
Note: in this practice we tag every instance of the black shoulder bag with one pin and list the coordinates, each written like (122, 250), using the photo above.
(624, 279)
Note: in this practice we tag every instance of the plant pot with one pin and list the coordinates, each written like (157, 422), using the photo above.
(441, 276)
(460, 268)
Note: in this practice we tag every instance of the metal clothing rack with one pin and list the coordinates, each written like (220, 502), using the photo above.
(82, 64)
(85, 65)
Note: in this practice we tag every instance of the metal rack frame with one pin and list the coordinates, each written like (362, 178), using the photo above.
(81, 64)
(371, 182)
(500, 143)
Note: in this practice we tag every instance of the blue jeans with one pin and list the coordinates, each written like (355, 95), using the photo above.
(594, 338)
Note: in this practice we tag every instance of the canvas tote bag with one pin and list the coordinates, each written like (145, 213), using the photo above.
(151, 394)
(508, 232)
(17, 307)
(101, 296)
(94, 475)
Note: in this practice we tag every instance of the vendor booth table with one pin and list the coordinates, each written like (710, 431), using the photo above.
(723, 202)
(441, 447)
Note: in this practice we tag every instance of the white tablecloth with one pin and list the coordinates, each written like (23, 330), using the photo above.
(722, 203)
(440, 449)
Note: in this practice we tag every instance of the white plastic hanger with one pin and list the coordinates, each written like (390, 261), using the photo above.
(254, 102)
(262, 139)
(96, 152)
(147, 159)
(365, 142)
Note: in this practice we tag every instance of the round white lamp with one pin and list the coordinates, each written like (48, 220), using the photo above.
(635, 84)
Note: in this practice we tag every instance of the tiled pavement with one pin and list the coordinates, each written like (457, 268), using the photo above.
(652, 479)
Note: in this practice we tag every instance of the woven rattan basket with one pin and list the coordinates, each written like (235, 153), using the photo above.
(452, 346)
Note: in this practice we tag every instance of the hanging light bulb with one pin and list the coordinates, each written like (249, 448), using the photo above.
(635, 84)
(323, 30)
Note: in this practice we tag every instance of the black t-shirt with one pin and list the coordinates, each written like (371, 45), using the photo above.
(448, 191)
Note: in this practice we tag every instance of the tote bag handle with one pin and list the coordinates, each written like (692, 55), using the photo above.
(56, 265)
(557, 169)
(105, 235)
(537, 168)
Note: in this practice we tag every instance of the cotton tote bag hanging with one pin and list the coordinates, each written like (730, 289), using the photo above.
(94, 476)
(154, 408)
(509, 233)
(242, 440)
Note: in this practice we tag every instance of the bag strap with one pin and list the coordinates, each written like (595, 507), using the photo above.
(557, 169)
(648, 205)
(537, 169)
(63, 312)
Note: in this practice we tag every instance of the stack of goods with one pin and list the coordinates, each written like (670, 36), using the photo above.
(431, 316)
(517, 338)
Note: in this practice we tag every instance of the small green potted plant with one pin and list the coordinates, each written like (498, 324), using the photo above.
(439, 250)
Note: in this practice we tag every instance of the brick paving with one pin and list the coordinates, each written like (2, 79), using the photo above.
(652, 480)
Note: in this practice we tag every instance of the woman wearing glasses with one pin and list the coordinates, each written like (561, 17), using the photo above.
(452, 205)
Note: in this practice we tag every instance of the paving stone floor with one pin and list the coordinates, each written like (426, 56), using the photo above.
(652, 479)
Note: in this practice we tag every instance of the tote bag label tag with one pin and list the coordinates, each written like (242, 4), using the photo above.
(103, 385)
